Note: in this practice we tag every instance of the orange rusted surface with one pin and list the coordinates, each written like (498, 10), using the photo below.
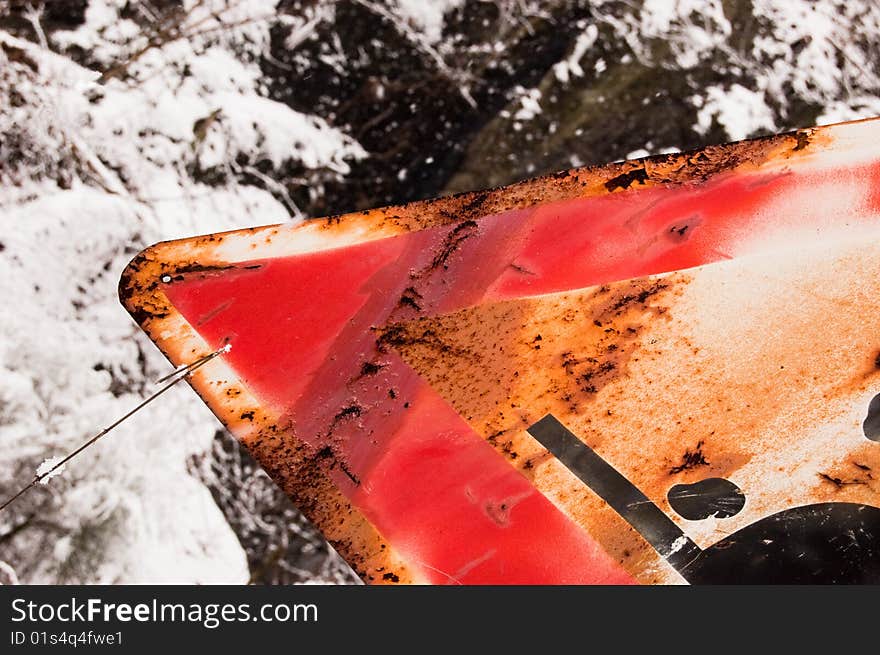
(688, 318)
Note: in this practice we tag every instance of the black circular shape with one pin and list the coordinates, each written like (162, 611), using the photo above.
(871, 426)
(710, 497)
(826, 543)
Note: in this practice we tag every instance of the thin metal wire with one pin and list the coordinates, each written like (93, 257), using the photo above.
(194, 365)
(172, 378)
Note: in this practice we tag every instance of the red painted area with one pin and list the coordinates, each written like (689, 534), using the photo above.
(633, 234)
(303, 327)
(873, 178)
(466, 517)
(277, 354)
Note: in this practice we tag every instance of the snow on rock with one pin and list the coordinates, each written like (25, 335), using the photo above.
(690, 29)
(530, 100)
(815, 52)
(7, 574)
(128, 501)
(426, 17)
(570, 66)
(267, 130)
(739, 110)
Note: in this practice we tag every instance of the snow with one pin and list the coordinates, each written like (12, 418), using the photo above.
(274, 132)
(637, 154)
(426, 16)
(530, 103)
(741, 111)
(7, 574)
(44, 471)
(71, 359)
(570, 66)
(155, 522)
(817, 51)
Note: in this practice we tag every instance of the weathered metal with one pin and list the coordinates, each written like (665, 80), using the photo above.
(690, 318)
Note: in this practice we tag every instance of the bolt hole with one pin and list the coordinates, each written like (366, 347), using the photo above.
(166, 278)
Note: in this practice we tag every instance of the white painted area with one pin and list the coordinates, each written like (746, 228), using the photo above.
(749, 313)
(677, 545)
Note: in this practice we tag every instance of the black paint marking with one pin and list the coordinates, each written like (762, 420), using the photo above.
(710, 497)
(871, 426)
(825, 543)
(623, 496)
(370, 368)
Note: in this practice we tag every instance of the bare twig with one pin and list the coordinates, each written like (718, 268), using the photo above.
(176, 28)
(277, 187)
(33, 14)
(177, 376)
(424, 45)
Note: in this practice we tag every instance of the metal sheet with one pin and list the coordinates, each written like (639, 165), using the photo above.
(702, 327)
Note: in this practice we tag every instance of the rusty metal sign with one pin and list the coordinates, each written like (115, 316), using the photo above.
(657, 371)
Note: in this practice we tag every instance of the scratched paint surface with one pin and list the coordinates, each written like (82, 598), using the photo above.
(691, 317)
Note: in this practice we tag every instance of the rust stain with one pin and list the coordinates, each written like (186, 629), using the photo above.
(507, 342)
(691, 459)
(462, 231)
(699, 166)
(504, 365)
(370, 368)
(627, 179)
(854, 478)
(302, 472)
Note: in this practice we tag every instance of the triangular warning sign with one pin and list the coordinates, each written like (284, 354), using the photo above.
(517, 386)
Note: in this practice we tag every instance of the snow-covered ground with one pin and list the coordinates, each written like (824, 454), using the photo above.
(129, 126)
